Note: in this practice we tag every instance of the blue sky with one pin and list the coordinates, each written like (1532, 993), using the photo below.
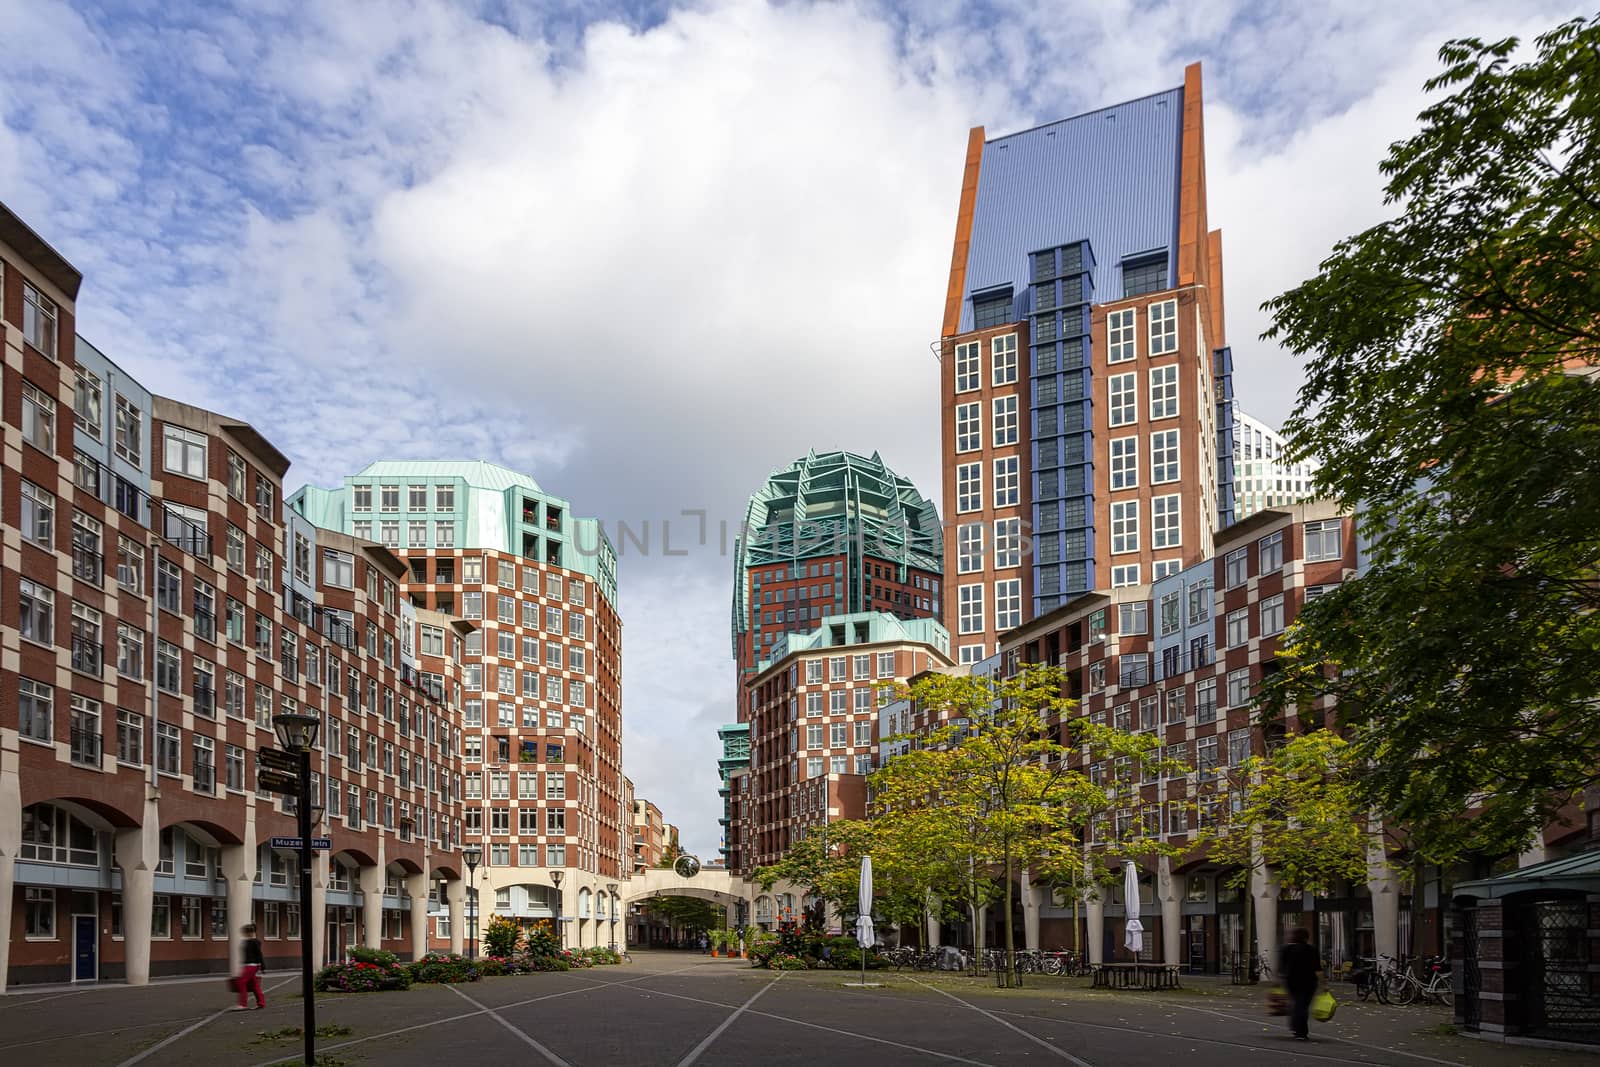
(604, 244)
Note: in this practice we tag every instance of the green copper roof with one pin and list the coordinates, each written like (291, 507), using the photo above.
(833, 504)
(860, 628)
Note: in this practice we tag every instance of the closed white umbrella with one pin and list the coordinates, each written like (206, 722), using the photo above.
(1133, 935)
(866, 936)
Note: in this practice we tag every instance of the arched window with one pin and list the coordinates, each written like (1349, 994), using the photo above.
(583, 903)
(53, 835)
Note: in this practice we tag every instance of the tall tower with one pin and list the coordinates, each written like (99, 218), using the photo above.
(833, 533)
(1084, 369)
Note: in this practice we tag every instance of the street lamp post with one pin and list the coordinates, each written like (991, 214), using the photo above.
(471, 855)
(611, 888)
(297, 732)
(561, 933)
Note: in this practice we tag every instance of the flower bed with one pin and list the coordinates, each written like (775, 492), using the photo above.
(444, 968)
(367, 970)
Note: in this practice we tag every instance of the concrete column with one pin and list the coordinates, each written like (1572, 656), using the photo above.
(1169, 893)
(455, 897)
(1264, 891)
(1385, 887)
(238, 873)
(319, 909)
(932, 918)
(137, 851)
(1095, 906)
(372, 904)
(10, 843)
(417, 891)
(1032, 902)
(980, 926)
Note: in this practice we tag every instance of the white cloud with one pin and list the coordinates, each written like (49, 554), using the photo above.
(646, 265)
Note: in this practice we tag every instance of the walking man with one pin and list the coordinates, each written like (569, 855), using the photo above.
(1300, 968)
(249, 979)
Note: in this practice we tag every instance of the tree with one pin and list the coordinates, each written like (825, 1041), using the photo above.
(1451, 397)
(1294, 810)
(689, 913)
(996, 788)
(825, 862)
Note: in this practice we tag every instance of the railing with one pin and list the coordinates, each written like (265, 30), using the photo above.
(88, 474)
(177, 530)
(1130, 676)
(86, 654)
(205, 624)
(130, 499)
(205, 776)
(88, 565)
(339, 632)
(205, 701)
(85, 747)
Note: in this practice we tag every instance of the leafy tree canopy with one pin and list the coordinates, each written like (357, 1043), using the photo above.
(1450, 396)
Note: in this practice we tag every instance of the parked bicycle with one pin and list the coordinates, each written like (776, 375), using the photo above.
(1406, 988)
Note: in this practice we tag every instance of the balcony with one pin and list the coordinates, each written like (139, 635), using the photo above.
(86, 654)
(88, 565)
(88, 474)
(85, 747)
(179, 531)
(339, 632)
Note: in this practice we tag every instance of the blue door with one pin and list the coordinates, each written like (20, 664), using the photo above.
(86, 940)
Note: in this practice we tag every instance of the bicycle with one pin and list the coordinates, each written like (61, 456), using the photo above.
(1406, 987)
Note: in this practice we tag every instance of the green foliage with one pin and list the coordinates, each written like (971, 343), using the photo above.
(785, 961)
(692, 913)
(501, 936)
(1450, 395)
(368, 970)
(540, 940)
(444, 968)
(1296, 811)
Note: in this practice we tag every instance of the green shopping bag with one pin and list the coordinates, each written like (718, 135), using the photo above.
(1323, 1006)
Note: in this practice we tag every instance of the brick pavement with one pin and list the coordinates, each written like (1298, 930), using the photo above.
(678, 1009)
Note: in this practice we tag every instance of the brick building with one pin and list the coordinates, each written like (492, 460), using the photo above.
(543, 788)
(1085, 381)
(813, 711)
(649, 835)
(158, 606)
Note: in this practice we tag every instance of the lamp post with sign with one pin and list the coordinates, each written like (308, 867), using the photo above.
(470, 855)
(561, 934)
(297, 732)
(611, 889)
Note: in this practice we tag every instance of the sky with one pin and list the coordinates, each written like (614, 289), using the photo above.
(647, 253)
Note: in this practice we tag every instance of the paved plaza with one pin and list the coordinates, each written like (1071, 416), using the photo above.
(680, 1009)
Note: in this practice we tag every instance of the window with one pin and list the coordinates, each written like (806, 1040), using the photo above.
(38, 604)
(969, 487)
(1164, 328)
(1144, 274)
(38, 515)
(35, 709)
(417, 535)
(88, 404)
(1008, 604)
(1175, 704)
(969, 434)
(128, 431)
(1163, 457)
(1005, 421)
(417, 498)
(1007, 482)
(1314, 591)
(39, 320)
(1200, 603)
(1003, 358)
(1169, 613)
(1272, 615)
(814, 735)
(969, 548)
(1124, 526)
(360, 498)
(130, 565)
(1164, 392)
(1123, 399)
(1120, 345)
(183, 452)
(1205, 700)
(1238, 631)
(168, 740)
(40, 907)
(389, 534)
(967, 359)
(389, 498)
(1124, 462)
(444, 498)
(130, 651)
(1323, 541)
(1269, 552)
(38, 418)
(444, 534)
(1235, 568)
(1166, 529)
(1007, 543)
(1239, 687)
(971, 609)
(1163, 568)
(1134, 618)
(1124, 574)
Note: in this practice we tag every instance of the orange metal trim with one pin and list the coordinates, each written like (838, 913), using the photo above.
(958, 257)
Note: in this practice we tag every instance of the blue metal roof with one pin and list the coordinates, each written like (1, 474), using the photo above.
(1109, 177)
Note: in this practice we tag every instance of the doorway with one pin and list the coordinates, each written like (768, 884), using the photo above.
(85, 948)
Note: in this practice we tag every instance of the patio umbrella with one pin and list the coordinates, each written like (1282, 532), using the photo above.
(1133, 935)
(866, 936)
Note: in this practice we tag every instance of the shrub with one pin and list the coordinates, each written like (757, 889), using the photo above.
(367, 971)
(786, 961)
(492, 967)
(547, 963)
(540, 939)
(445, 968)
(501, 937)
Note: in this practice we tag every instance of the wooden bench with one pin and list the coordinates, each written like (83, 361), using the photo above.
(1146, 976)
